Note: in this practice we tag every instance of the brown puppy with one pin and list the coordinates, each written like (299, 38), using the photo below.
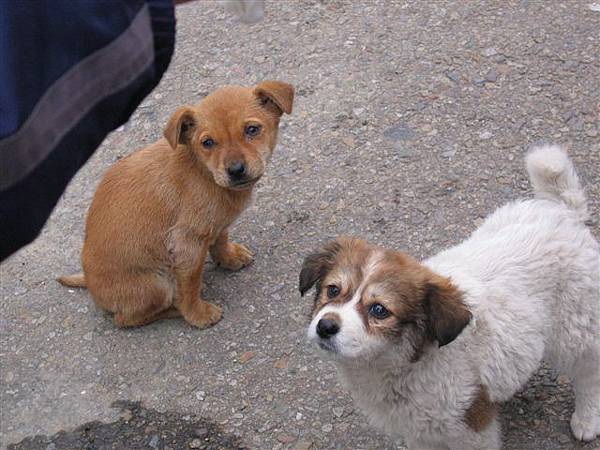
(158, 212)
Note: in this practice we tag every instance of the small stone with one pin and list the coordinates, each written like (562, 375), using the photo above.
(564, 439)
(349, 141)
(327, 428)
(491, 76)
(246, 356)
(88, 336)
(281, 363)
(449, 153)
(562, 379)
(453, 75)
(592, 132)
(20, 290)
(404, 152)
(200, 395)
(200, 432)
(196, 443)
(490, 51)
(286, 438)
(303, 445)
(127, 415)
(154, 441)
(594, 7)
(51, 446)
(485, 135)
(337, 412)
(479, 82)
(399, 132)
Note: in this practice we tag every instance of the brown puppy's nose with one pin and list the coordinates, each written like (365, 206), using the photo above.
(327, 328)
(236, 171)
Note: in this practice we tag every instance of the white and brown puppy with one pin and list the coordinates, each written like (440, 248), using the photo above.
(428, 349)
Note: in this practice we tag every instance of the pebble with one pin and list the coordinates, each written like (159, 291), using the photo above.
(281, 363)
(485, 135)
(246, 356)
(564, 439)
(303, 445)
(453, 75)
(490, 51)
(327, 428)
(399, 132)
(286, 438)
(491, 76)
(592, 132)
(196, 443)
(337, 412)
(403, 152)
(349, 141)
(200, 432)
(154, 441)
(200, 395)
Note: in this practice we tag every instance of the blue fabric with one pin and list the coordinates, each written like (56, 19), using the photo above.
(39, 41)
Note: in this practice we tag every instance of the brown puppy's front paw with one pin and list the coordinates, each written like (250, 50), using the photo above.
(234, 257)
(204, 315)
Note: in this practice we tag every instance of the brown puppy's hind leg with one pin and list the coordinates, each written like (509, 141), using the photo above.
(122, 320)
(143, 299)
(228, 254)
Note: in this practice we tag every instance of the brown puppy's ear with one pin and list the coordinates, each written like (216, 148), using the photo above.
(446, 313)
(278, 93)
(180, 127)
(316, 266)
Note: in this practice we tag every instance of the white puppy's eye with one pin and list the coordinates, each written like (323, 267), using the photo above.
(332, 291)
(378, 311)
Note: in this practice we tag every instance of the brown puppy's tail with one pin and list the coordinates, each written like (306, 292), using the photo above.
(76, 280)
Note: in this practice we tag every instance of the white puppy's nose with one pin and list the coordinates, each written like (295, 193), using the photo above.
(327, 328)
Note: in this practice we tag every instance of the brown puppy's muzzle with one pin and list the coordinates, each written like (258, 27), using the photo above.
(243, 174)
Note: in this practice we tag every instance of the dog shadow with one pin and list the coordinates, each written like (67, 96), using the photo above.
(138, 428)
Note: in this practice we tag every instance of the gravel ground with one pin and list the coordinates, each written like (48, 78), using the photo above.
(410, 125)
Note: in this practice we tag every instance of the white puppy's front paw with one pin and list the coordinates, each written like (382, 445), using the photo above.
(585, 428)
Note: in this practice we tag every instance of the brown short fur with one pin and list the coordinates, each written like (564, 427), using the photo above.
(158, 212)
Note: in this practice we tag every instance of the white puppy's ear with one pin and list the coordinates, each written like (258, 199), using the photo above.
(317, 265)
(446, 313)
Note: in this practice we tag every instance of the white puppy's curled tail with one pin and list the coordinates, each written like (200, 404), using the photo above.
(554, 178)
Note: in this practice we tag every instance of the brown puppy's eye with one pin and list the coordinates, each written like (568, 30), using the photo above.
(208, 143)
(332, 291)
(252, 130)
(378, 311)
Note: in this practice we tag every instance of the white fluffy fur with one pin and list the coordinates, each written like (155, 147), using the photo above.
(531, 278)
